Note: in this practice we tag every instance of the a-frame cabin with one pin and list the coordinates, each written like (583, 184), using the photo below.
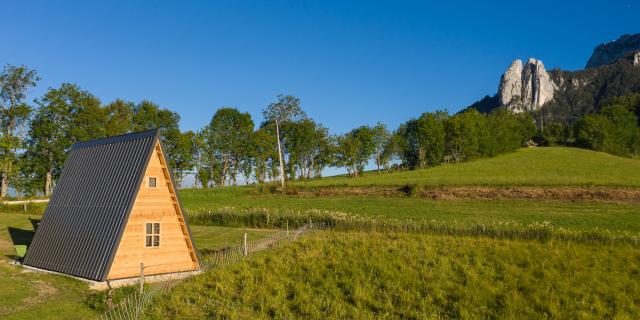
(114, 208)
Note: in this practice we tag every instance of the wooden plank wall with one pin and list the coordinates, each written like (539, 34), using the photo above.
(159, 204)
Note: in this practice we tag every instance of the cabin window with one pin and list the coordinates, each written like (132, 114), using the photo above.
(152, 182)
(152, 235)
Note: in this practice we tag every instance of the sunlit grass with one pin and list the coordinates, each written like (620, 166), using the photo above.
(400, 276)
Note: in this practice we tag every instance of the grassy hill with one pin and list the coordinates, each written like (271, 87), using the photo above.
(552, 166)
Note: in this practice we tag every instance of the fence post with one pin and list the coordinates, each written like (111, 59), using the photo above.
(245, 245)
(25, 207)
(287, 228)
(141, 277)
(267, 219)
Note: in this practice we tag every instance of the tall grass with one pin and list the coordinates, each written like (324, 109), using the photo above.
(337, 275)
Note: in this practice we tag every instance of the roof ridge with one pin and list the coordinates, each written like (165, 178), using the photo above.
(116, 139)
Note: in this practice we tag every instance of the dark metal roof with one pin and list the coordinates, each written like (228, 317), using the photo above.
(86, 216)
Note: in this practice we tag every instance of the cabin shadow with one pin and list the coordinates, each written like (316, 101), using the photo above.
(22, 236)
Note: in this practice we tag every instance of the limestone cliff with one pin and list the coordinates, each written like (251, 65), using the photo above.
(526, 88)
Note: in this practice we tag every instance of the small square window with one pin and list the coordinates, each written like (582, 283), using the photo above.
(152, 182)
(152, 234)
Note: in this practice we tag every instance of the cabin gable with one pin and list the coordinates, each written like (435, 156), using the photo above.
(154, 205)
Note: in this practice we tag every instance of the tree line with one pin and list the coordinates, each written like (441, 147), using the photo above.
(285, 145)
(614, 128)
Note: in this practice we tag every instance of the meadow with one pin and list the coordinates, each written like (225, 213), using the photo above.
(334, 275)
(543, 167)
(613, 216)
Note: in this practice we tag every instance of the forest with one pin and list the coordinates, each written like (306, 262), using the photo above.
(286, 143)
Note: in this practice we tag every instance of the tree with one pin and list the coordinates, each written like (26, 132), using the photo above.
(424, 139)
(381, 138)
(286, 109)
(15, 83)
(354, 149)
(63, 117)
(264, 155)
(181, 153)
(201, 159)
(466, 135)
(229, 136)
(508, 131)
(119, 117)
(305, 142)
(613, 129)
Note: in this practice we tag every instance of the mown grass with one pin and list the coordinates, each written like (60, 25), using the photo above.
(400, 276)
(570, 215)
(547, 167)
(211, 238)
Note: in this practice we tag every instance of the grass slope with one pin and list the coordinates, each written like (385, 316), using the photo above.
(400, 276)
(550, 166)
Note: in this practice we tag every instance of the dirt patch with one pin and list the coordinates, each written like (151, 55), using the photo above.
(481, 193)
(565, 194)
(44, 291)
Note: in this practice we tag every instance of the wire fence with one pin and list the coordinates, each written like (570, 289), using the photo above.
(133, 305)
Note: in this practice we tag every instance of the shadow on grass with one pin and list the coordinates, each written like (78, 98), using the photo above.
(22, 236)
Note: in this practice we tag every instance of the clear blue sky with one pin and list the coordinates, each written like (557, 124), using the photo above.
(351, 63)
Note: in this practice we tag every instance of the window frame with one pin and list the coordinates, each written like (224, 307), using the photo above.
(153, 234)
(155, 179)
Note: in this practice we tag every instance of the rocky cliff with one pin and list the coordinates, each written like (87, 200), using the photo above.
(566, 96)
(609, 52)
(526, 88)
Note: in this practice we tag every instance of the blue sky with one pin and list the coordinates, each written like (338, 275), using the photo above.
(350, 62)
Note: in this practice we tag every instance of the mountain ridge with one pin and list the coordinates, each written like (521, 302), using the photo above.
(565, 96)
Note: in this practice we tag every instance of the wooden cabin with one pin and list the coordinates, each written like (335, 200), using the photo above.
(115, 208)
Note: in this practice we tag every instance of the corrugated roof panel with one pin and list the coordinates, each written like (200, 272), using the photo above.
(81, 227)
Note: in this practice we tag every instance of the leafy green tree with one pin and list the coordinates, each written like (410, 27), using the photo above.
(613, 129)
(15, 83)
(202, 159)
(229, 138)
(119, 117)
(305, 142)
(354, 149)
(508, 131)
(466, 135)
(182, 150)
(381, 138)
(393, 149)
(286, 109)
(64, 116)
(265, 156)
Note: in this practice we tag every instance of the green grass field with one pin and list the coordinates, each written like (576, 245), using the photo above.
(400, 276)
(548, 167)
(571, 215)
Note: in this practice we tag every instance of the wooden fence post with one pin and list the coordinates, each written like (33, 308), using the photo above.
(245, 245)
(141, 277)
